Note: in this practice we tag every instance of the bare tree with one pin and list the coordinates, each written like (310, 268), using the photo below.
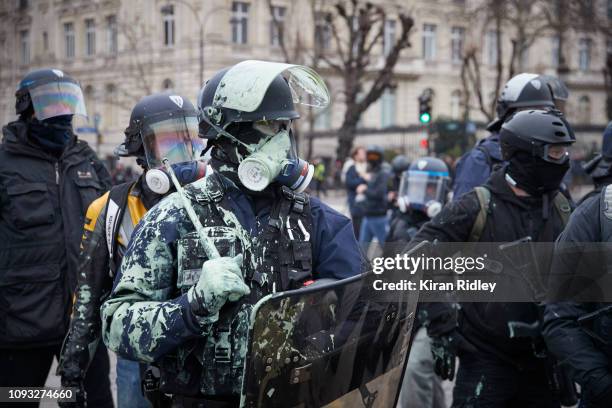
(357, 27)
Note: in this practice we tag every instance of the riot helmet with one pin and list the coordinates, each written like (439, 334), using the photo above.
(375, 156)
(164, 126)
(424, 186)
(535, 143)
(399, 164)
(246, 112)
(49, 93)
(525, 91)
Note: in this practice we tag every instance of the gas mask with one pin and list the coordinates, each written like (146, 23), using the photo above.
(274, 160)
(175, 139)
(431, 208)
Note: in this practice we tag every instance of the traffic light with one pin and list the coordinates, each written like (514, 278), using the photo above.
(425, 108)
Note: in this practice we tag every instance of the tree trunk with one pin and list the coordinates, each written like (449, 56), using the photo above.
(346, 136)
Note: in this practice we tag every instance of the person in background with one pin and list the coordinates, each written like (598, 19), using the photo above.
(355, 176)
(375, 199)
(48, 178)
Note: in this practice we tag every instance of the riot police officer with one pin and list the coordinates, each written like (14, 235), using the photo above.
(48, 178)
(519, 200)
(178, 304)
(159, 124)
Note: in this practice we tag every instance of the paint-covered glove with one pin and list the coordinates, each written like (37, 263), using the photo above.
(445, 349)
(220, 281)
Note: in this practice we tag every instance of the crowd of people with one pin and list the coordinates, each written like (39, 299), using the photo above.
(165, 268)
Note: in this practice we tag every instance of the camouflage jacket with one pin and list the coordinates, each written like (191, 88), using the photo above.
(148, 317)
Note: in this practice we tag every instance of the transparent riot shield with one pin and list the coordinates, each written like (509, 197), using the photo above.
(338, 344)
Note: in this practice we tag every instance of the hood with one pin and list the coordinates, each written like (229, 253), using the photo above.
(491, 143)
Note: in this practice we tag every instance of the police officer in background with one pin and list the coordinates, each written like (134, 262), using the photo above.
(600, 167)
(423, 190)
(497, 369)
(179, 305)
(160, 125)
(523, 91)
(48, 178)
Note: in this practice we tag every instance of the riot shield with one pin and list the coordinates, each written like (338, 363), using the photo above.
(339, 344)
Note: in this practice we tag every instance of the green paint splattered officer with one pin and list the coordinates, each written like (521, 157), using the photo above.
(178, 305)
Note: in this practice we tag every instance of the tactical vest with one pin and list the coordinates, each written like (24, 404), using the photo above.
(278, 259)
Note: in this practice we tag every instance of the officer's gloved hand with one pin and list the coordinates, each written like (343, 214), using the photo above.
(79, 396)
(220, 281)
(445, 348)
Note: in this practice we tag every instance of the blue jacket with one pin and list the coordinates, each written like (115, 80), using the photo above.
(353, 179)
(474, 168)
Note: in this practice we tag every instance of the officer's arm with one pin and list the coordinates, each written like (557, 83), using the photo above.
(474, 171)
(564, 336)
(144, 319)
(454, 223)
(103, 174)
(93, 286)
(336, 252)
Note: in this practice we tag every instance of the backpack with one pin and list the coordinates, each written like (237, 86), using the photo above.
(560, 202)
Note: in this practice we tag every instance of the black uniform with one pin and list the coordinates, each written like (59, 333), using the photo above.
(588, 360)
(43, 199)
(507, 364)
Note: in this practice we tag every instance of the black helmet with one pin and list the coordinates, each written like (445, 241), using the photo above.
(524, 91)
(375, 154)
(254, 91)
(400, 163)
(151, 111)
(534, 132)
(49, 93)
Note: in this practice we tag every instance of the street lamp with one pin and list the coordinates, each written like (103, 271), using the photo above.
(201, 23)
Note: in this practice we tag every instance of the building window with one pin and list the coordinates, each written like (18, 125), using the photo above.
(584, 110)
(388, 108)
(167, 84)
(23, 4)
(609, 9)
(90, 37)
(24, 37)
(45, 41)
(389, 36)
(240, 19)
(457, 40)
(69, 40)
(554, 51)
(169, 26)
(111, 34)
(90, 101)
(429, 42)
(455, 104)
(322, 32)
(523, 58)
(277, 26)
(584, 54)
(492, 51)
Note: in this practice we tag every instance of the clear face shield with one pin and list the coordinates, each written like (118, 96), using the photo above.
(423, 191)
(172, 138)
(57, 98)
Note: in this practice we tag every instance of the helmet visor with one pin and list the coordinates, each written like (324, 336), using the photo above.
(175, 139)
(57, 98)
(557, 87)
(244, 86)
(421, 187)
